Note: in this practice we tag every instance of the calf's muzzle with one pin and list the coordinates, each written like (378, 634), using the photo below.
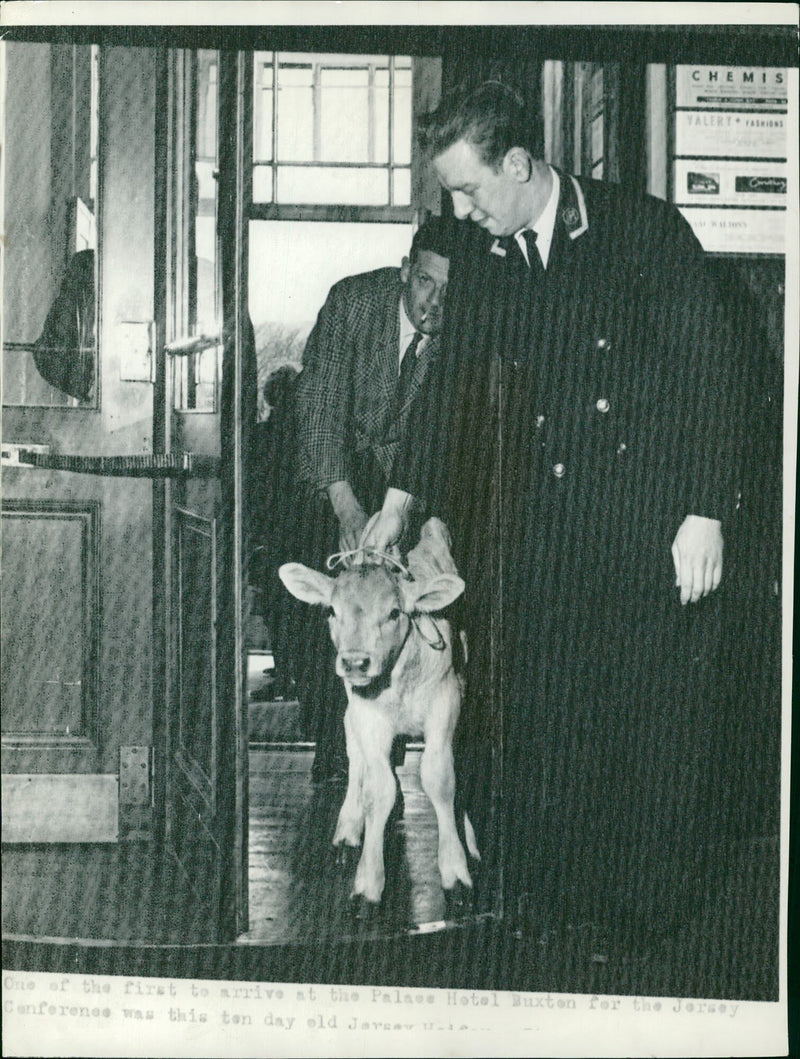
(353, 663)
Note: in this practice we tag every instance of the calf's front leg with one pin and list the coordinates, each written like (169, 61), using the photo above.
(439, 783)
(350, 824)
(374, 735)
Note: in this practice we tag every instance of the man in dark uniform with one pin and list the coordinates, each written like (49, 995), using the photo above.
(369, 354)
(581, 439)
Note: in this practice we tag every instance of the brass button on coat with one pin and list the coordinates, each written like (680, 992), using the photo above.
(559, 470)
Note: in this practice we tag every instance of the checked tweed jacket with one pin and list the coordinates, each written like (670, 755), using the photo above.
(346, 396)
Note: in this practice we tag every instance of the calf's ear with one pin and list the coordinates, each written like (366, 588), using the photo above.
(308, 585)
(426, 597)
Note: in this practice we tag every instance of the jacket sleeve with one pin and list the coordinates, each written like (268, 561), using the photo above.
(446, 410)
(707, 380)
(324, 398)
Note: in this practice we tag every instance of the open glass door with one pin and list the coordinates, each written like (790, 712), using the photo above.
(202, 765)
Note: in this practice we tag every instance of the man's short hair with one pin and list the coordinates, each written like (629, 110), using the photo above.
(435, 235)
(493, 118)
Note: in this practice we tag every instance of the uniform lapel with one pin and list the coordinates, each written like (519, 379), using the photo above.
(572, 219)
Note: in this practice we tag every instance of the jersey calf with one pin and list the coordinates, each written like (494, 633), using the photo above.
(394, 653)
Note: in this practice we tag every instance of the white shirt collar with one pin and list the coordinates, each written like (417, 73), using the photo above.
(407, 332)
(545, 225)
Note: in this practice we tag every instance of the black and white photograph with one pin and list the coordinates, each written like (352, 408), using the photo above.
(399, 435)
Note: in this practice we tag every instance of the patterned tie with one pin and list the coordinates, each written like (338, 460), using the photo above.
(407, 368)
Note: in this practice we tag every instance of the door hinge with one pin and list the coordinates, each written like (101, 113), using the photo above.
(135, 793)
(134, 775)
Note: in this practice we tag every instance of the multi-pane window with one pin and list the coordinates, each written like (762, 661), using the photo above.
(332, 130)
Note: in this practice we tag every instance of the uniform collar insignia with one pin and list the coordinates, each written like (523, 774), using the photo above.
(572, 207)
(571, 212)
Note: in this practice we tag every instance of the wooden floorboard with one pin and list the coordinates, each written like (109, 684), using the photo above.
(120, 892)
(298, 893)
(300, 900)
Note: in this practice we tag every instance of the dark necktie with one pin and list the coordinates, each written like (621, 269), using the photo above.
(534, 262)
(407, 368)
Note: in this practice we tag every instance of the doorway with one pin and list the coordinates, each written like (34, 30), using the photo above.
(333, 168)
(250, 259)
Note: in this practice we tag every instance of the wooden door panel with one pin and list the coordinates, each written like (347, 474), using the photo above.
(50, 628)
(196, 662)
(76, 676)
(194, 841)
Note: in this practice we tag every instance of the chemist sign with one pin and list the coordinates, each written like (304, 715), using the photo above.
(729, 172)
(735, 87)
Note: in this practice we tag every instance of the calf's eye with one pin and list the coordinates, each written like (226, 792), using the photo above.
(394, 613)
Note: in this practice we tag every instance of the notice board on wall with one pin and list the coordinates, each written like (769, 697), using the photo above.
(729, 175)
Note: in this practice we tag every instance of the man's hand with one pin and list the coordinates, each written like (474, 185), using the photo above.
(697, 554)
(351, 515)
(391, 523)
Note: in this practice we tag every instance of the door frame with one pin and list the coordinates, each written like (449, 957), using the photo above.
(235, 152)
(230, 791)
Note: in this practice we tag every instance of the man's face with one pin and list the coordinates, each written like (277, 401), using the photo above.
(493, 198)
(423, 294)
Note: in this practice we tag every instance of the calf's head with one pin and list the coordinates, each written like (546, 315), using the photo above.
(369, 612)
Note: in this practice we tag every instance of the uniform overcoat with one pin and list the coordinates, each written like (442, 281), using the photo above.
(572, 422)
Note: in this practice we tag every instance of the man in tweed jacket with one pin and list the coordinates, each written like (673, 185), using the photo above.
(354, 396)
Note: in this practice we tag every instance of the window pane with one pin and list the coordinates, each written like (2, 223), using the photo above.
(308, 257)
(381, 115)
(344, 116)
(401, 181)
(94, 131)
(206, 185)
(205, 238)
(331, 109)
(295, 113)
(262, 183)
(262, 107)
(343, 187)
(401, 148)
(206, 104)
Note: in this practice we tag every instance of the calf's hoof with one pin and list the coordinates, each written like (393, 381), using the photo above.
(458, 901)
(346, 857)
(366, 913)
